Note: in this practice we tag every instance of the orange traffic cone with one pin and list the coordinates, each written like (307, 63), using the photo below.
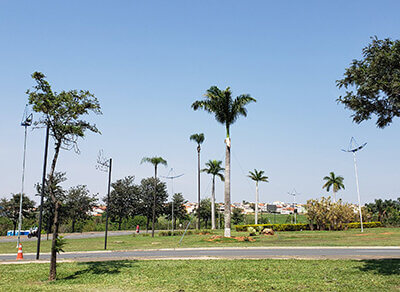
(20, 256)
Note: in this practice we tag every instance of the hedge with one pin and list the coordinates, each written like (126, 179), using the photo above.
(302, 226)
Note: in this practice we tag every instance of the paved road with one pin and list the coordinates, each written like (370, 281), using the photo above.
(226, 253)
(73, 235)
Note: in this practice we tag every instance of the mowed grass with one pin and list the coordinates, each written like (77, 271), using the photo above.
(353, 237)
(207, 275)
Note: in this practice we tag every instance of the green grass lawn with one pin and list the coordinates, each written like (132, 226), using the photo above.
(352, 237)
(207, 275)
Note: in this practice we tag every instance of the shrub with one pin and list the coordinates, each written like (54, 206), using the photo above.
(176, 232)
(300, 226)
(365, 225)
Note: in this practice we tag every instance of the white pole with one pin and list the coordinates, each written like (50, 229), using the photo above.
(22, 191)
(172, 180)
(256, 207)
(358, 191)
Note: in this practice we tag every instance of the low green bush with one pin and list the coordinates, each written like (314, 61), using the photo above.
(177, 232)
(365, 225)
(301, 226)
(275, 227)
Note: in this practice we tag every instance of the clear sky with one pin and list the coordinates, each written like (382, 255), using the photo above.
(147, 61)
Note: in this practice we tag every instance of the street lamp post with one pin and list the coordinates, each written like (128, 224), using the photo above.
(172, 177)
(26, 122)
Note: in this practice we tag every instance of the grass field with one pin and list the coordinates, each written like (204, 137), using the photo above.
(207, 275)
(370, 237)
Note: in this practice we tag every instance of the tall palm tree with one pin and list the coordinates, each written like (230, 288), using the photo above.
(226, 111)
(214, 168)
(257, 176)
(199, 139)
(155, 161)
(336, 182)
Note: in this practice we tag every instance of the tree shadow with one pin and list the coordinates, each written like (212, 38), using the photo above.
(382, 266)
(101, 268)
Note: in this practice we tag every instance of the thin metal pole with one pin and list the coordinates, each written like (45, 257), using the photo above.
(42, 192)
(108, 202)
(172, 180)
(22, 191)
(358, 191)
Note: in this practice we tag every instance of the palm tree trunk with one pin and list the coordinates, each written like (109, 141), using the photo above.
(213, 204)
(154, 201)
(334, 196)
(227, 211)
(198, 187)
(256, 209)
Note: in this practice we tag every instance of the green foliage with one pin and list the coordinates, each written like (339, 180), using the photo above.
(147, 199)
(275, 227)
(237, 215)
(10, 208)
(258, 175)
(336, 182)
(154, 160)
(214, 168)
(175, 233)
(78, 204)
(198, 138)
(60, 243)
(365, 225)
(375, 81)
(5, 225)
(220, 103)
(251, 230)
(179, 208)
(386, 211)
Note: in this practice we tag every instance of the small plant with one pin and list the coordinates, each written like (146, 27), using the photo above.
(252, 231)
(60, 242)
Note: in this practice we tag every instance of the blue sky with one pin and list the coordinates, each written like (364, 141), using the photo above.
(147, 61)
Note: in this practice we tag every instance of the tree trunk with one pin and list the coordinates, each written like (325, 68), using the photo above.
(53, 259)
(73, 225)
(15, 227)
(227, 211)
(213, 204)
(334, 196)
(198, 187)
(154, 201)
(119, 224)
(256, 207)
(147, 223)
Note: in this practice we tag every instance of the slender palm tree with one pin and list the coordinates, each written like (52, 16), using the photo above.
(336, 182)
(226, 111)
(199, 139)
(155, 161)
(214, 168)
(257, 176)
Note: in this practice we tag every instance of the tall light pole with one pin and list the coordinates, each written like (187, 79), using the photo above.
(294, 193)
(172, 177)
(26, 122)
(39, 232)
(105, 165)
(353, 147)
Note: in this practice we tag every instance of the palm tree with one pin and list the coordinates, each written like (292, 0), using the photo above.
(214, 168)
(155, 161)
(257, 176)
(226, 111)
(199, 139)
(336, 182)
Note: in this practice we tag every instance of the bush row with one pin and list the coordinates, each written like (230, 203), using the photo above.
(301, 226)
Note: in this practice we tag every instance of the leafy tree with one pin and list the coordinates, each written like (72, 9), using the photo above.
(79, 203)
(11, 208)
(386, 211)
(152, 202)
(155, 161)
(257, 176)
(205, 211)
(61, 114)
(336, 182)
(48, 205)
(124, 201)
(237, 216)
(214, 168)
(199, 139)
(375, 80)
(226, 111)
(179, 208)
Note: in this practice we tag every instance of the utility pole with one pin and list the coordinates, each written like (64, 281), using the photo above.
(172, 177)
(46, 147)
(105, 165)
(26, 122)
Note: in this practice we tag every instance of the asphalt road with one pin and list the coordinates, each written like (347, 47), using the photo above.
(225, 253)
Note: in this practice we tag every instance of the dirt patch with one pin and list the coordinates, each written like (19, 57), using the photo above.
(363, 234)
(219, 238)
(387, 233)
(203, 233)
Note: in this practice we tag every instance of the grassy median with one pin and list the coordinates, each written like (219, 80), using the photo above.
(207, 275)
(353, 237)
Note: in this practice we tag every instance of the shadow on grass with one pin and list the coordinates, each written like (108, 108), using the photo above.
(101, 268)
(382, 266)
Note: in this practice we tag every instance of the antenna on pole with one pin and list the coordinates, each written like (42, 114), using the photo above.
(294, 194)
(353, 148)
(172, 177)
(104, 164)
